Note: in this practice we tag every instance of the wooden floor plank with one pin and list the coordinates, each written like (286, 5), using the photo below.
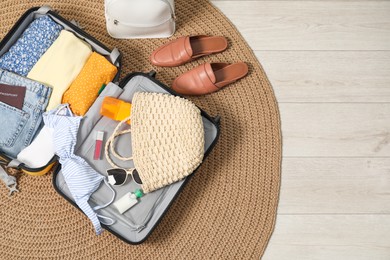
(316, 237)
(318, 25)
(329, 64)
(335, 129)
(328, 76)
(298, 0)
(335, 186)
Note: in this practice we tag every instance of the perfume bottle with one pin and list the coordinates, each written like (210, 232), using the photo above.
(128, 200)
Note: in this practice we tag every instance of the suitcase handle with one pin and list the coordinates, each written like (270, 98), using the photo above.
(44, 9)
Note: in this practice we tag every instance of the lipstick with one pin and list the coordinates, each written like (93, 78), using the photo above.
(98, 145)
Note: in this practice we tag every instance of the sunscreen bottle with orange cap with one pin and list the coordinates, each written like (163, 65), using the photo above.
(115, 109)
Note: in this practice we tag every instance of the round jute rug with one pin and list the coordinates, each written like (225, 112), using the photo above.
(227, 210)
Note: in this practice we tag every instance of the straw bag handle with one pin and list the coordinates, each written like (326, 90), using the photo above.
(110, 145)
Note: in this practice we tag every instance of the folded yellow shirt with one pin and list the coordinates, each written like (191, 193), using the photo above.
(84, 89)
(61, 64)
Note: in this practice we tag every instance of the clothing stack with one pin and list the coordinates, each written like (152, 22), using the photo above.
(46, 66)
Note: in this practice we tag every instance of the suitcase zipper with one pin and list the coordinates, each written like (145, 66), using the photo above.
(78, 30)
(74, 27)
(87, 36)
(16, 26)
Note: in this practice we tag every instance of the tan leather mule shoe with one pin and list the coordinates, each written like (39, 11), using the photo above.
(209, 77)
(187, 48)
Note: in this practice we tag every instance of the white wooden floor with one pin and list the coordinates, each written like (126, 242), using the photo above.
(329, 64)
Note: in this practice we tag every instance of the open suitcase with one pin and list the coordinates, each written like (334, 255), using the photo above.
(16, 31)
(136, 224)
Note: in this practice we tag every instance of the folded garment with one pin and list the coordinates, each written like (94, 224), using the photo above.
(84, 89)
(81, 179)
(92, 117)
(30, 46)
(19, 126)
(40, 151)
(61, 64)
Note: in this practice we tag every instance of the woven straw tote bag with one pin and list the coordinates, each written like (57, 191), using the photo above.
(167, 138)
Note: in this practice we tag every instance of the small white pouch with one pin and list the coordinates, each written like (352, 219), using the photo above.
(140, 18)
(40, 151)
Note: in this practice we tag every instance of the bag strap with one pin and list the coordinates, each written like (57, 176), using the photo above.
(9, 181)
(109, 147)
(4, 159)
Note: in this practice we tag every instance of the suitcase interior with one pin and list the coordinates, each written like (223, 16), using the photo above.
(35, 13)
(149, 211)
(113, 56)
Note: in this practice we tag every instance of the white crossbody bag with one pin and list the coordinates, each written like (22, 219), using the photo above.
(127, 19)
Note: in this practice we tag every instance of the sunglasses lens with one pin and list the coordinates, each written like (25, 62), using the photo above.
(119, 175)
(136, 177)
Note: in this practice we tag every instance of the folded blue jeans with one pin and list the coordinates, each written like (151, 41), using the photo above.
(19, 126)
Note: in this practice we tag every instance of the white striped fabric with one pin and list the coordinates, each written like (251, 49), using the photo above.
(81, 179)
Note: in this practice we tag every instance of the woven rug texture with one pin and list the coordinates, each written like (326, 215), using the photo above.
(226, 211)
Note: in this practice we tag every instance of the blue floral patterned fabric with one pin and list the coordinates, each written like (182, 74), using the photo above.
(31, 45)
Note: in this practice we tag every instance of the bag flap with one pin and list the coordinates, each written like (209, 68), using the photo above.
(139, 13)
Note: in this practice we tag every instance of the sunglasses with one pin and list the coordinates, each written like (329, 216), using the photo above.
(118, 176)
